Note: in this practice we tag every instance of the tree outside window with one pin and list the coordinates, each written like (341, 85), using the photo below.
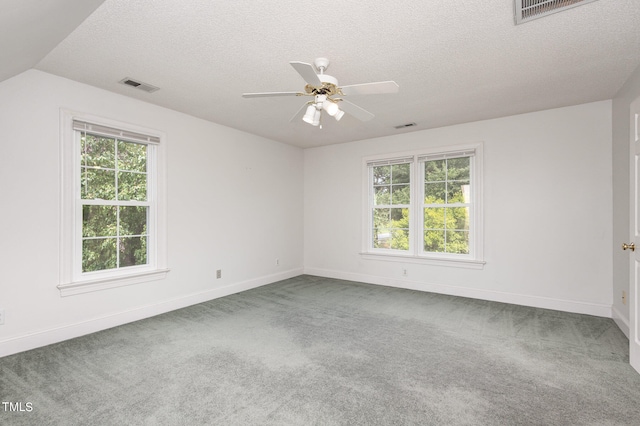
(114, 200)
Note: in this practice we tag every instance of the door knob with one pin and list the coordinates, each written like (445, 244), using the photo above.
(631, 246)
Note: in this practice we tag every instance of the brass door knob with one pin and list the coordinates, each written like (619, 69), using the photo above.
(631, 246)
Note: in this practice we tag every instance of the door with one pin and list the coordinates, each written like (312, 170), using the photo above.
(634, 287)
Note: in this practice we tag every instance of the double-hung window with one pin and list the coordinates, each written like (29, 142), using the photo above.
(113, 216)
(425, 206)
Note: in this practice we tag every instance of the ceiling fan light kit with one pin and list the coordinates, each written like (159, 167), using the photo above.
(328, 94)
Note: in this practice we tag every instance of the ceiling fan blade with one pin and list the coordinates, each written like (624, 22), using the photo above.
(379, 87)
(353, 109)
(266, 94)
(307, 72)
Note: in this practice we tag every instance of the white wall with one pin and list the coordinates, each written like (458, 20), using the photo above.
(234, 203)
(547, 211)
(621, 167)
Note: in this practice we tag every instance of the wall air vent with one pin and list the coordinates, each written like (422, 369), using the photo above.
(139, 85)
(527, 10)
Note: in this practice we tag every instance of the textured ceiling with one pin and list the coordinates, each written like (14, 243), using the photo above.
(455, 61)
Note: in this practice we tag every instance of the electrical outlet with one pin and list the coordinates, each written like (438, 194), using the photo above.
(277, 262)
(624, 297)
(404, 272)
(219, 273)
(1, 316)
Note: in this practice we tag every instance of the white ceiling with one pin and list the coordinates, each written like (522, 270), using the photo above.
(455, 61)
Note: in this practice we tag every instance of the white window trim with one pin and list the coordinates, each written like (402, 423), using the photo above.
(415, 254)
(71, 281)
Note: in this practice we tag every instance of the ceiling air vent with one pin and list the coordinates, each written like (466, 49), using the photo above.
(527, 10)
(139, 85)
(403, 126)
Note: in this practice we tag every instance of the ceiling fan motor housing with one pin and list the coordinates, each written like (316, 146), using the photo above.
(321, 64)
(326, 78)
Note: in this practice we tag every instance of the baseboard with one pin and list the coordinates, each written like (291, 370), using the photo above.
(621, 321)
(54, 335)
(599, 310)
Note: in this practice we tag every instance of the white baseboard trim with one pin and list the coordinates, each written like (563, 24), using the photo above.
(622, 321)
(599, 310)
(54, 335)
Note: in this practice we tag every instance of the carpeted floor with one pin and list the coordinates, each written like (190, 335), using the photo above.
(317, 351)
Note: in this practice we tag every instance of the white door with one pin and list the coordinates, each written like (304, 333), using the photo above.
(634, 246)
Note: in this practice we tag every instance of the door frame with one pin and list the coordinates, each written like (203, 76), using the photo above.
(634, 231)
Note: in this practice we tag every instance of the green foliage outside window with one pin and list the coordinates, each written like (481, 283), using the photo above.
(446, 217)
(113, 235)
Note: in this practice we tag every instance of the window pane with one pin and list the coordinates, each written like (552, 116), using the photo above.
(400, 194)
(381, 195)
(434, 193)
(434, 241)
(391, 228)
(435, 171)
(400, 218)
(98, 254)
(133, 251)
(457, 218)
(132, 186)
(97, 151)
(133, 220)
(458, 192)
(434, 218)
(399, 239)
(382, 175)
(399, 230)
(381, 218)
(381, 228)
(98, 184)
(98, 221)
(132, 156)
(400, 173)
(457, 242)
(381, 238)
(391, 238)
(458, 168)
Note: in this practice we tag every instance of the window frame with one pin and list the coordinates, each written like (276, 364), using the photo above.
(416, 254)
(72, 279)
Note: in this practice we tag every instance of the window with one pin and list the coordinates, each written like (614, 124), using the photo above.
(113, 212)
(425, 205)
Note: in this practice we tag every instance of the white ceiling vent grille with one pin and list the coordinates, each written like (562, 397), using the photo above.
(139, 85)
(527, 10)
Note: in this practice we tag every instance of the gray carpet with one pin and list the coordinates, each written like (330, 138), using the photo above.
(317, 351)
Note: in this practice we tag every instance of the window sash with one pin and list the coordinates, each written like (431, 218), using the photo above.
(470, 205)
(372, 207)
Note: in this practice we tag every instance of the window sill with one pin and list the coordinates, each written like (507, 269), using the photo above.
(80, 287)
(456, 263)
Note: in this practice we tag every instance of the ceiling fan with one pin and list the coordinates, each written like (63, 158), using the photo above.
(327, 95)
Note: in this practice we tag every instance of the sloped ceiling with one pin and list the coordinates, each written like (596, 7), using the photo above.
(454, 61)
(29, 29)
